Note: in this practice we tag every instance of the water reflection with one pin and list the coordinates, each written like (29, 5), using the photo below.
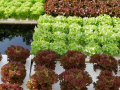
(15, 35)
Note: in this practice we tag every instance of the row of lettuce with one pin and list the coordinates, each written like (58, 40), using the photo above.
(83, 8)
(21, 9)
(74, 76)
(89, 35)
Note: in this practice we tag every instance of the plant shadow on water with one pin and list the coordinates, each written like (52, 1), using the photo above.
(15, 35)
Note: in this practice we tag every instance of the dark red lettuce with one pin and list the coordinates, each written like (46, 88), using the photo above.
(106, 81)
(104, 62)
(42, 79)
(46, 58)
(74, 79)
(73, 59)
(82, 8)
(13, 72)
(17, 53)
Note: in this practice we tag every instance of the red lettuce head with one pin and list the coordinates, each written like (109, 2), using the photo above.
(75, 79)
(106, 81)
(13, 72)
(17, 53)
(46, 58)
(73, 59)
(42, 79)
(104, 62)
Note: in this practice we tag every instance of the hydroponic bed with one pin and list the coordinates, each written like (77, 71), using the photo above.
(58, 69)
(76, 45)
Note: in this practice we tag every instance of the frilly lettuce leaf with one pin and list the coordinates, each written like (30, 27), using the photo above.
(46, 19)
(104, 20)
(59, 36)
(61, 19)
(62, 27)
(116, 20)
(111, 49)
(74, 19)
(39, 45)
(75, 46)
(92, 48)
(90, 21)
(59, 47)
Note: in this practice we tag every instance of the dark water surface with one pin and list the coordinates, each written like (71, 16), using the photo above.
(15, 35)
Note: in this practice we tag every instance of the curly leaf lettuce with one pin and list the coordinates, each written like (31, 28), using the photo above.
(89, 21)
(74, 19)
(104, 20)
(75, 46)
(45, 26)
(46, 19)
(92, 48)
(61, 19)
(59, 36)
(111, 49)
(62, 27)
(39, 45)
(59, 47)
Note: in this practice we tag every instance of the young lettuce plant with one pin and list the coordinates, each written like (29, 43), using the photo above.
(116, 20)
(106, 81)
(42, 34)
(73, 59)
(46, 19)
(44, 26)
(111, 49)
(104, 20)
(90, 33)
(74, 79)
(62, 27)
(17, 53)
(39, 45)
(6, 86)
(104, 62)
(46, 58)
(92, 48)
(61, 19)
(89, 21)
(42, 79)
(59, 36)
(36, 10)
(59, 47)
(13, 72)
(75, 46)
(75, 33)
(107, 34)
(74, 19)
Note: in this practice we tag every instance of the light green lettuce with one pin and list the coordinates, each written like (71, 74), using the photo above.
(92, 48)
(75, 46)
(74, 19)
(111, 49)
(39, 45)
(59, 47)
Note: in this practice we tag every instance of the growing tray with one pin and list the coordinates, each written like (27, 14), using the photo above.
(58, 69)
